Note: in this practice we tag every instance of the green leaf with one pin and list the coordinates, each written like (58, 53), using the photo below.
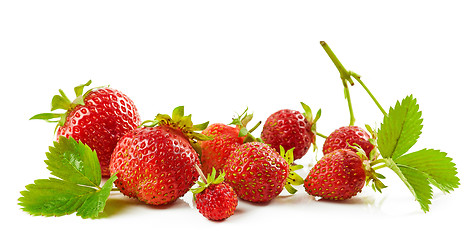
(400, 128)
(439, 169)
(77, 190)
(95, 203)
(419, 186)
(74, 162)
(56, 197)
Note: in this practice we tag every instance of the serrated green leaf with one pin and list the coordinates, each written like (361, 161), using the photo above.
(400, 128)
(439, 168)
(53, 197)
(74, 162)
(95, 203)
(419, 186)
(56, 197)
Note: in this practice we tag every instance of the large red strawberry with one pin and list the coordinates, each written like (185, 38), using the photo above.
(291, 129)
(98, 118)
(258, 173)
(346, 138)
(155, 163)
(337, 175)
(214, 198)
(225, 140)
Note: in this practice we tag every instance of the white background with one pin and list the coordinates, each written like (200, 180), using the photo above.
(217, 58)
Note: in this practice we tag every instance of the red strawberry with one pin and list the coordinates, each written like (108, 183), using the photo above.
(216, 151)
(98, 118)
(345, 137)
(225, 140)
(257, 173)
(291, 129)
(337, 175)
(214, 198)
(155, 163)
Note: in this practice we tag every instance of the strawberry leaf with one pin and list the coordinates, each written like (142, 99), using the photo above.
(77, 190)
(74, 162)
(400, 128)
(436, 166)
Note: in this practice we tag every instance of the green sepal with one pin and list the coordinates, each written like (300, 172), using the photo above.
(212, 178)
(62, 102)
(181, 123)
(293, 179)
(242, 121)
(312, 121)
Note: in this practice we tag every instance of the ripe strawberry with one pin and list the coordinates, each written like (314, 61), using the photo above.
(155, 163)
(291, 129)
(337, 175)
(257, 173)
(214, 198)
(98, 118)
(345, 137)
(225, 140)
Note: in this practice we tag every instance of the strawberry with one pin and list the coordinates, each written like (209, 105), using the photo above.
(225, 140)
(345, 137)
(257, 173)
(98, 118)
(214, 198)
(155, 163)
(337, 175)
(291, 129)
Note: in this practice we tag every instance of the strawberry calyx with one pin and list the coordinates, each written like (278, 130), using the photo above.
(61, 101)
(293, 179)
(183, 124)
(312, 122)
(372, 177)
(207, 181)
(241, 121)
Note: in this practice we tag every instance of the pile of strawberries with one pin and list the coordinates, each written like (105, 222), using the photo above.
(158, 161)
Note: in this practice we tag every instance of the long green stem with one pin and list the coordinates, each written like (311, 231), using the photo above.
(321, 135)
(357, 77)
(344, 75)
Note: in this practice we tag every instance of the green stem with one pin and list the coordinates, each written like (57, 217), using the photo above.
(321, 135)
(344, 75)
(357, 77)
(115, 190)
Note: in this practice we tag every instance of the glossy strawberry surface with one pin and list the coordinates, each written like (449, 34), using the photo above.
(107, 115)
(217, 201)
(154, 164)
(337, 175)
(343, 137)
(290, 129)
(256, 172)
(215, 152)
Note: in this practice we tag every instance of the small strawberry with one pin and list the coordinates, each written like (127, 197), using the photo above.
(345, 137)
(155, 163)
(214, 198)
(98, 118)
(257, 173)
(337, 175)
(291, 129)
(225, 139)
